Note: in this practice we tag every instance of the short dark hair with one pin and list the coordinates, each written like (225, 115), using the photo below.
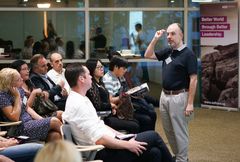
(98, 30)
(117, 61)
(138, 25)
(113, 53)
(73, 71)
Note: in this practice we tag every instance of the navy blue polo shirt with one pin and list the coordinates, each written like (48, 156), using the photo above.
(176, 73)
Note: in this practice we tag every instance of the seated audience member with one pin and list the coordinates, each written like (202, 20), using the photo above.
(60, 43)
(10, 149)
(13, 108)
(39, 78)
(89, 129)
(45, 48)
(111, 80)
(70, 50)
(56, 74)
(28, 47)
(131, 80)
(80, 51)
(37, 48)
(59, 151)
(31, 92)
(99, 96)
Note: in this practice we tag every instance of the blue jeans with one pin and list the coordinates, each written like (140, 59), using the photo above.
(22, 152)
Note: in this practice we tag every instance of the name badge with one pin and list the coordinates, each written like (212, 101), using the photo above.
(25, 100)
(168, 60)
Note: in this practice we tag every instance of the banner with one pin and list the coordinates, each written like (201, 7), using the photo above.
(219, 54)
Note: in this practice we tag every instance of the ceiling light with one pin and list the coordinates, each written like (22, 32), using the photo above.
(43, 5)
(25, 0)
(58, 1)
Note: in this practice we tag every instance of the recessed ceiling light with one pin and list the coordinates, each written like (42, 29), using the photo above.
(43, 5)
(58, 1)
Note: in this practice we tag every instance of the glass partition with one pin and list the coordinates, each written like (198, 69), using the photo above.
(120, 36)
(117, 24)
(193, 4)
(136, 3)
(193, 32)
(20, 25)
(33, 3)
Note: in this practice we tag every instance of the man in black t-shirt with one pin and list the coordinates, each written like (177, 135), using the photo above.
(179, 87)
(99, 39)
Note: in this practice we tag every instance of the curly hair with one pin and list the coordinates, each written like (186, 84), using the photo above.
(7, 76)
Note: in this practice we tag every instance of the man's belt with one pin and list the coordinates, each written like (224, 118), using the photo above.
(174, 92)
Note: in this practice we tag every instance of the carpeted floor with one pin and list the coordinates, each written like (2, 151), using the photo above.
(214, 136)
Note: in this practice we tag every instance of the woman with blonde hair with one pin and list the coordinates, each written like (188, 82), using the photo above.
(13, 108)
(59, 151)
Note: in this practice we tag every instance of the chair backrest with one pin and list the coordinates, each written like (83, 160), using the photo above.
(88, 152)
(67, 133)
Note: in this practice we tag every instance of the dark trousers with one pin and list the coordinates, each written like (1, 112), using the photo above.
(156, 151)
(60, 104)
(130, 126)
(145, 114)
(151, 100)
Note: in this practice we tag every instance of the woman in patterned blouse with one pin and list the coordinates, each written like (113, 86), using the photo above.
(13, 108)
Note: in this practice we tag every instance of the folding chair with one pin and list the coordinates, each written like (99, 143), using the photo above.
(88, 151)
(7, 124)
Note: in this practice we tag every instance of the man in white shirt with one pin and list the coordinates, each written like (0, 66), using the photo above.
(57, 72)
(89, 129)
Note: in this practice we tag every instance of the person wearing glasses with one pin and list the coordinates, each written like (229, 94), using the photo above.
(99, 96)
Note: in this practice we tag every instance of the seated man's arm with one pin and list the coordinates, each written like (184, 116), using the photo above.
(131, 145)
(38, 83)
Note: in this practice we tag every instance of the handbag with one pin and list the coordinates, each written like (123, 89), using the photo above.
(44, 106)
(125, 108)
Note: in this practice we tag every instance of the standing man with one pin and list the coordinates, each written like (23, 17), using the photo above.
(100, 41)
(57, 73)
(179, 87)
